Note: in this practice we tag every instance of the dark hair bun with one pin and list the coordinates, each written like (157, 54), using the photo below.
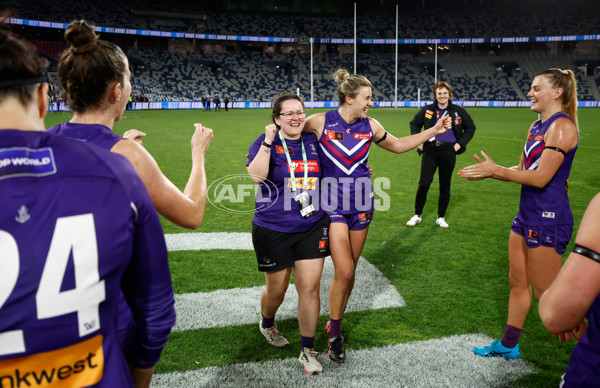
(81, 36)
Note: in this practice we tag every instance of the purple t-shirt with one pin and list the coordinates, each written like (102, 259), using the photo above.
(276, 208)
(346, 183)
(448, 136)
(550, 204)
(97, 134)
(77, 228)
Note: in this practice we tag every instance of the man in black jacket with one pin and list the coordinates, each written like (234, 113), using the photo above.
(441, 150)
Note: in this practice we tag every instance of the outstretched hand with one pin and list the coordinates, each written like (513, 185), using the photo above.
(135, 135)
(485, 168)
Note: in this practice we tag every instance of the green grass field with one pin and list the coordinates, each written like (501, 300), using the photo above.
(454, 281)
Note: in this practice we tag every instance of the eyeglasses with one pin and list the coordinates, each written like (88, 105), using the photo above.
(290, 115)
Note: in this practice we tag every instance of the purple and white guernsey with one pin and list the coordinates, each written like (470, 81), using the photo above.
(346, 184)
(77, 229)
(97, 134)
(276, 208)
(103, 137)
(548, 205)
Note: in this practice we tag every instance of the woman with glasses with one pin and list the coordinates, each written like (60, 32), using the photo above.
(345, 137)
(289, 230)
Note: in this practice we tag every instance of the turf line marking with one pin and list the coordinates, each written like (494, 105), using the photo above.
(241, 306)
(206, 241)
(441, 362)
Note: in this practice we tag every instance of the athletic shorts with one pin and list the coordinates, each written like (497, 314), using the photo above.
(555, 236)
(356, 221)
(278, 250)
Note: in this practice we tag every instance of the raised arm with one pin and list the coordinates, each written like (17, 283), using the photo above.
(407, 143)
(315, 124)
(185, 209)
(259, 167)
(564, 305)
(562, 134)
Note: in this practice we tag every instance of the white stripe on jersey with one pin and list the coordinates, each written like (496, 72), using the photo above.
(337, 162)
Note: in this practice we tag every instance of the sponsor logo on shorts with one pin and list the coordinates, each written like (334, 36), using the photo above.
(322, 244)
(457, 121)
(364, 216)
(78, 365)
(548, 214)
(266, 259)
(532, 234)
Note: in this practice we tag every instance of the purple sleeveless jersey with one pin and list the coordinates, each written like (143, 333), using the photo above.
(97, 134)
(276, 208)
(103, 137)
(346, 184)
(77, 229)
(550, 204)
(584, 365)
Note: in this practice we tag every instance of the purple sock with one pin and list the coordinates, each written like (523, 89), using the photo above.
(511, 336)
(307, 342)
(335, 328)
(268, 322)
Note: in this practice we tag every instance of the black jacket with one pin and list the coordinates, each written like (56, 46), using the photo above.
(462, 123)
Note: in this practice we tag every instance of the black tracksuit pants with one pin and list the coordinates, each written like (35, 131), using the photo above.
(436, 155)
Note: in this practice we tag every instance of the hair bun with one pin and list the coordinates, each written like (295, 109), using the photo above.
(341, 75)
(81, 36)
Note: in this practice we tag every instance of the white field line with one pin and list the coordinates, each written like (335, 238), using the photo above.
(206, 241)
(441, 362)
(241, 306)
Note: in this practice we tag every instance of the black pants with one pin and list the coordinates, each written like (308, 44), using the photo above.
(434, 156)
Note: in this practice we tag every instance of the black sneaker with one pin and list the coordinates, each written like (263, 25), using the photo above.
(336, 350)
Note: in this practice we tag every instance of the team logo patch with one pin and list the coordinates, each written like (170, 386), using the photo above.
(532, 234)
(364, 216)
(530, 136)
(333, 135)
(362, 136)
(281, 150)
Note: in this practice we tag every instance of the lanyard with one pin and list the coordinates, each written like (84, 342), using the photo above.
(290, 164)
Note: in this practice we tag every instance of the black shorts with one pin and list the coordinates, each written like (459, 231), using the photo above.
(278, 250)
